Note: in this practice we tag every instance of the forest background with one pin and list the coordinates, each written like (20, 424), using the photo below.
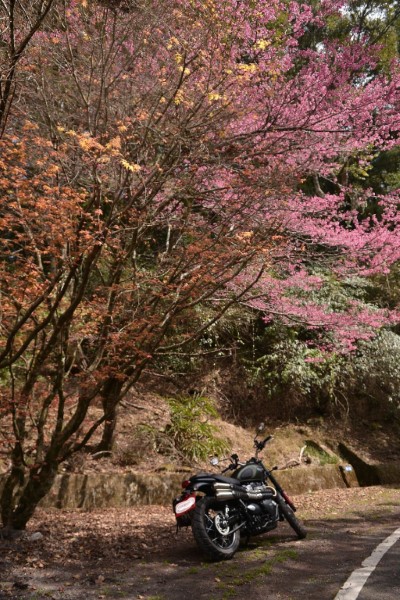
(187, 185)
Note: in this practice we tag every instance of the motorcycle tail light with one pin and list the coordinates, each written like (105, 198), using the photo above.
(185, 505)
(185, 483)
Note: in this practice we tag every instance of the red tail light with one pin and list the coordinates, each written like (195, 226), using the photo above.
(185, 506)
(185, 483)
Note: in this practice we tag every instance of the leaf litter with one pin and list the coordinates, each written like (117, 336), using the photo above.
(83, 553)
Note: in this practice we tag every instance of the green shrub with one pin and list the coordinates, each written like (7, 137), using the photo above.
(190, 430)
(300, 375)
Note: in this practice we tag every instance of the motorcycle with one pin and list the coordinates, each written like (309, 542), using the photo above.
(221, 509)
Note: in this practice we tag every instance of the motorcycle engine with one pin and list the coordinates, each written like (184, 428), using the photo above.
(263, 515)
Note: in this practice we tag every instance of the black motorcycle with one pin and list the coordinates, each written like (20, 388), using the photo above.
(221, 509)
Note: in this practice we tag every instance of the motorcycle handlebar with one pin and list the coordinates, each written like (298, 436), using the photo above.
(267, 439)
(234, 457)
(230, 467)
(235, 464)
(261, 445)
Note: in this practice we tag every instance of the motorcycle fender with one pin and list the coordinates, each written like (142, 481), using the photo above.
(202, 486)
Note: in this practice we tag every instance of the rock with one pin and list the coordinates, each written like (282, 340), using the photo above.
(349, 475)
(35, 537)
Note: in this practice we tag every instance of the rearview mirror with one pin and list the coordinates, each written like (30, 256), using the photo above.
(261, 427)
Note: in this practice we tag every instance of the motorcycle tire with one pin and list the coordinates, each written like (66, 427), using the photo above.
(292, 519)
(212, 535)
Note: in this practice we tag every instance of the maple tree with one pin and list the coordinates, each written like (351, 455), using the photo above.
(19, 23)
(155, 163)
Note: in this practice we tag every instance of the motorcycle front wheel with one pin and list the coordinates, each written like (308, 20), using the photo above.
(292, 519)
(215, 537)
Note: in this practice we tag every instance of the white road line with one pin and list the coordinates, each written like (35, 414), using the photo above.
(353, 586)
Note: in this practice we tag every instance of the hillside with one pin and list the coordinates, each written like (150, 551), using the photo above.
(146, 440)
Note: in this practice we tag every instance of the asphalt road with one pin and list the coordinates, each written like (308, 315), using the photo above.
(382, 583)
(277, 566)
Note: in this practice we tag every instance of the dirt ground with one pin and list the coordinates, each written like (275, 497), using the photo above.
(136, 554)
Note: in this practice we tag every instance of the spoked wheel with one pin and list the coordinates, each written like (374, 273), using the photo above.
(212, 531)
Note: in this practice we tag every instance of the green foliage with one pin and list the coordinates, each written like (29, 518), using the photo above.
(376, 371)
(232, 329)
(389, 48)
(319, 454)
(385, 173)
(192, 433)
(229, 335)
(300, 374)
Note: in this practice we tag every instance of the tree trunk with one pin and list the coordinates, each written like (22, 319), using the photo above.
(19, 502)
(14, 483)
(9, 496)
(39, 484)
(111, 395)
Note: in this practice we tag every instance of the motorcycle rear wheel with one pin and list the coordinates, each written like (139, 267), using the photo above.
(292, 519)
(213, 535)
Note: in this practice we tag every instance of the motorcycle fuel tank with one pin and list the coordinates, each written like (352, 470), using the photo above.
(249, 472)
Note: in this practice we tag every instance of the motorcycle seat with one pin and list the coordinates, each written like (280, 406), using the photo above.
(223, 479)
(217, 477)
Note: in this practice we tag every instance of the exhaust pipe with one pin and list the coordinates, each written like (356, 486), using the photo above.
(226, 491)
(223, 495)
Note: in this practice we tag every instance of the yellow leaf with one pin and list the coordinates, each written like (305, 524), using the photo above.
(134, 168)
(114, 144)
(214, 96)
(178, 97)
(248, 68)
(262, 44)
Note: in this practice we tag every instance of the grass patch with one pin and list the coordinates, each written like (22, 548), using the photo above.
(193, 570)
(111, 592)
(256, 572)
(317, 453)
(230, 593)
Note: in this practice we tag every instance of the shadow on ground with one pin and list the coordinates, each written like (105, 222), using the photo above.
(139, 556)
